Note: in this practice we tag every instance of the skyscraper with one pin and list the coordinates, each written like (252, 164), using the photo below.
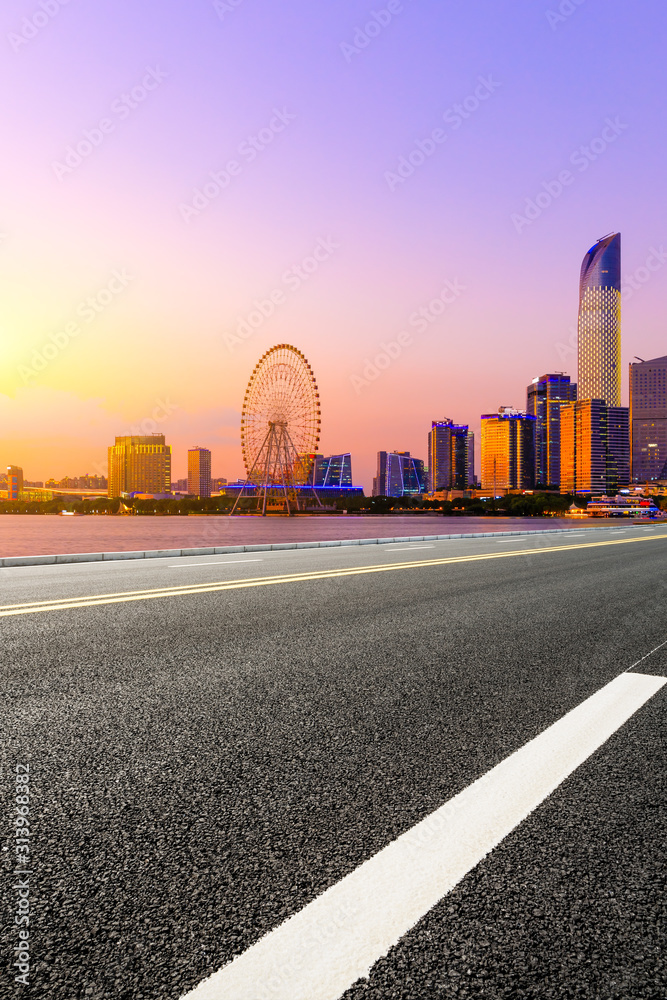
(595, 452)
(648, 419)
(440, 455)
(471, 458)
(508, 450)
(199, 472)
(398, 474)
(449, 460)
(600, 322)
(545, 396)
(140, 464)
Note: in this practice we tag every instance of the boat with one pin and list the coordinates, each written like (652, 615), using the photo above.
(623, 506)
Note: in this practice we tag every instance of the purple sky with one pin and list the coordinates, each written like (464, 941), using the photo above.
(335, 117)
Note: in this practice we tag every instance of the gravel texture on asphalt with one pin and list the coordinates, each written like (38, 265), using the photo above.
(202, 767)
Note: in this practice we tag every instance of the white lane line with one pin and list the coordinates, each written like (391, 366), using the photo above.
(321, 951)
(409, 548)
(646, 655)
(505, 541)
(218, 562)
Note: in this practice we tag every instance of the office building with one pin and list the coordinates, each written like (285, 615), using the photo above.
(595, 447)
(599, 327)
(508, 450)
(139, 464)
(14, 482)
(449, 458)
(545, 396)
(648, 420)
(471, 459)
(398, 474)
(332, 471)
(199, 472)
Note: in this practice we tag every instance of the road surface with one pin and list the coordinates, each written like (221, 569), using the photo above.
(218, 744)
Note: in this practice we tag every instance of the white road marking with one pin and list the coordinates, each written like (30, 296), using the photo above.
(504, 541)
(409, 548)
(217, 562)
(318, 953)
(646, 655)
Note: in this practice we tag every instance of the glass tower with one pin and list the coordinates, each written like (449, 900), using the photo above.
(600, 322)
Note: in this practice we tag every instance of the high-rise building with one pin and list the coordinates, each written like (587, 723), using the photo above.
(545, 396)
(449, 457)
(471, 458)
(440, 455)
(648, 419)
(600, 322)
(139, 464)
(398, 474)
(199, 472)
(508, 450)
(14, 481)
(332, 471)
(595, 447)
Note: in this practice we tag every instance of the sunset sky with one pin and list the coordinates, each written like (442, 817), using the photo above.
(123, 289)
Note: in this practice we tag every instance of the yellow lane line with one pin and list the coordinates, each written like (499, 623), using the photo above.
(93, 600)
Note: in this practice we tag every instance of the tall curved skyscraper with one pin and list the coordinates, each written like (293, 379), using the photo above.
(599, 375)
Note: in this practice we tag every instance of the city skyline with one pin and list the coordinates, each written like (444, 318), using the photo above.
(599, 341)
(140, 289)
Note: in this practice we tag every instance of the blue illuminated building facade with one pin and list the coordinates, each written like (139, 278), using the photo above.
(399, 475)
(332, 471)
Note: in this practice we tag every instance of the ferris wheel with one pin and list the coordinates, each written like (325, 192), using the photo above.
(280, 429)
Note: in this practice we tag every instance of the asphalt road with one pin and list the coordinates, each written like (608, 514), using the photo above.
(206, 762)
